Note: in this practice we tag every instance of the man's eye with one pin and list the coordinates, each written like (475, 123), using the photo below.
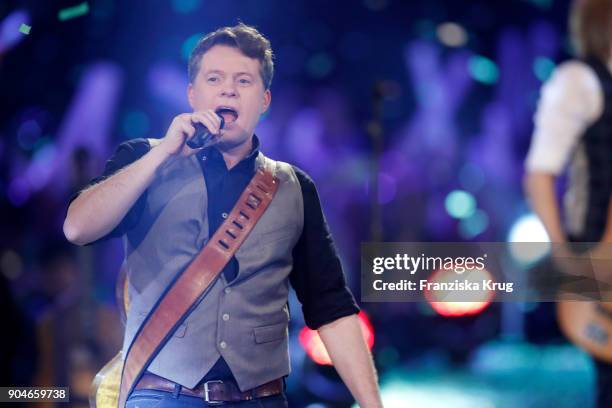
(244, 81)
(212, 79)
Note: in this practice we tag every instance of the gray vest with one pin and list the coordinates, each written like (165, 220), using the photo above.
(244, 321)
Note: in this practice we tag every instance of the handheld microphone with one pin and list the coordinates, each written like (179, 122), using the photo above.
(202, 135)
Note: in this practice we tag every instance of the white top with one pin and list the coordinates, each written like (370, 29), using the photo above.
(570, 101)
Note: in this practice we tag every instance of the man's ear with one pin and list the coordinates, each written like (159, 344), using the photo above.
(267, 99)
(190, 95)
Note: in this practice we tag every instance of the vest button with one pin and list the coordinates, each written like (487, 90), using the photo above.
(226, 316)
(223, 344)
(227, 290)
(224, 215)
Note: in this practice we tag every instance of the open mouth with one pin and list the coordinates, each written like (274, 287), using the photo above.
(228, 114)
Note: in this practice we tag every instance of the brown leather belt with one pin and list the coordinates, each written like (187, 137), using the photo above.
(215, 391)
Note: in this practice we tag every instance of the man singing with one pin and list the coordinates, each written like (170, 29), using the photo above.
(166, 199)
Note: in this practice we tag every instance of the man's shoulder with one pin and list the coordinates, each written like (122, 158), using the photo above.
(290, 170)
(302, 176)
(126, 153)
(306, 182)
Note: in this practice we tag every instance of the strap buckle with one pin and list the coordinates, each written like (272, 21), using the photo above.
(207, 390)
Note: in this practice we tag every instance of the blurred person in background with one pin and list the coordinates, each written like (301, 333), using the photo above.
(573, 125)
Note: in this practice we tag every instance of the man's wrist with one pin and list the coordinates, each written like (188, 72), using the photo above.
(159, 155)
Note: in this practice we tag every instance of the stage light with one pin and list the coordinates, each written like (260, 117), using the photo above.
(475, 301)
(483, 70)
(524, 237)
(312, 343)
(9, 29)
(460, 204)
(543, 68)
(185, 6)
(431, 394)
(474, 225)
(189, 44)
(451, 34)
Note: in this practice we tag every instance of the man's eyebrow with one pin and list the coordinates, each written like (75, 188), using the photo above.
(218, 71)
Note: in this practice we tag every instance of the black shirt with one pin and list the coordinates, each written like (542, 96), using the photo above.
(317, 275)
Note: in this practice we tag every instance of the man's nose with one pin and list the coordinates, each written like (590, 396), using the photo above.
(229, 89)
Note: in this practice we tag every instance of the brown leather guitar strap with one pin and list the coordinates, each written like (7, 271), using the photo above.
(191, 285)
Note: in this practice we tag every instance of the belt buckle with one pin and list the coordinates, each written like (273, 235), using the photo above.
(206, 391)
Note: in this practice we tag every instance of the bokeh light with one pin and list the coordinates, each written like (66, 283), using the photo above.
(483, 70)
(452, 34)
(528, 228)
(474, 225)
(460, 204)
(543, 68)
(189, 44)
(312, 343)
(475, 301)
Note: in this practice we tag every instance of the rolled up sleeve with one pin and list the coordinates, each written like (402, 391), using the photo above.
(125, 154)
(569, 102)
(317, 275)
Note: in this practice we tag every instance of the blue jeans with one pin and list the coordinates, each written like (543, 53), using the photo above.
(162, 399)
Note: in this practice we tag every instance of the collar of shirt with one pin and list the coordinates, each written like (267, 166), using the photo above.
(213, 157)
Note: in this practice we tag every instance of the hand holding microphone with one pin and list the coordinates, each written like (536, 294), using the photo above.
(202, 135)
(189, 132)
